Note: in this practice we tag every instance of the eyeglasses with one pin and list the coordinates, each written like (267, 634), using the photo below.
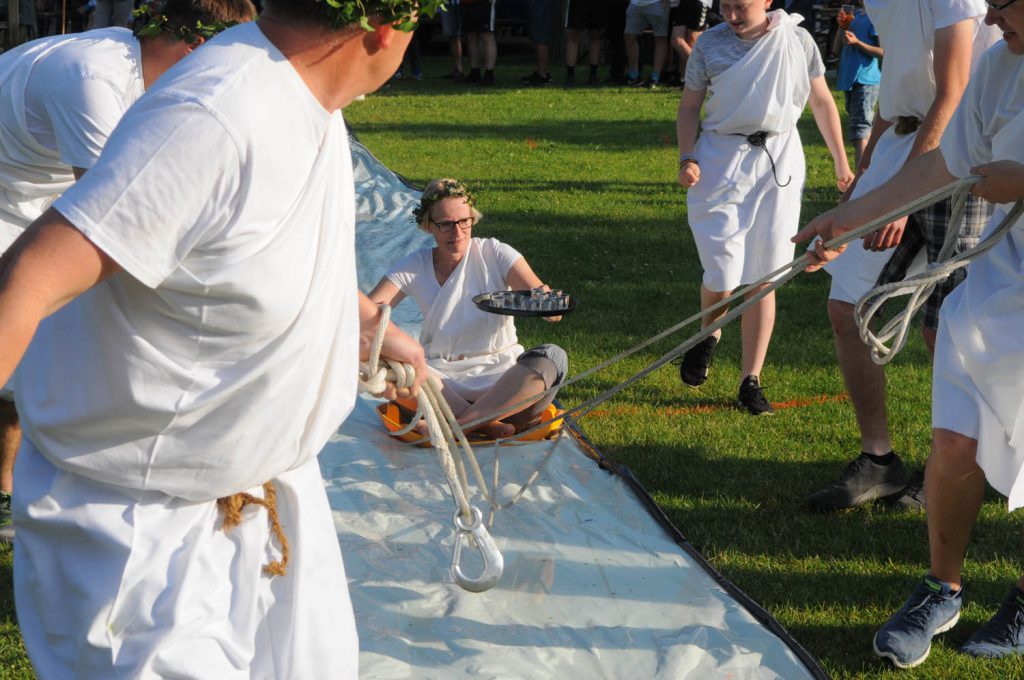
(467, 222)
(999, 6)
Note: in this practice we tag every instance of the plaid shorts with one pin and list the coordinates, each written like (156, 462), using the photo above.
(927, 228)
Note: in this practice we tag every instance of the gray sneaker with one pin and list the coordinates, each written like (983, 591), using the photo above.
(863, 481)
(1003, 634)
(906, 638)
(912, 496)
(6, 525)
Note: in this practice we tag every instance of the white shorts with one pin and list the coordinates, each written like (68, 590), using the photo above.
(118, 583)
(855, 272)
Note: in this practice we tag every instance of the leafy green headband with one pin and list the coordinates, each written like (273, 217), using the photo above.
(402, 14)
(150, 24)
(449, 188)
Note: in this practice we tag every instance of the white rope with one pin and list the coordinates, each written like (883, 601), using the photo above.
(920, 286)
(448, 436)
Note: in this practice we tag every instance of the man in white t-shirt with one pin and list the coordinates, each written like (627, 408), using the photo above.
(978, 382)
(197, 329)
(930, 48)
(63, 96)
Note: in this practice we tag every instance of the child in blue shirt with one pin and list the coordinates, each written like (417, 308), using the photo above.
(859, 76)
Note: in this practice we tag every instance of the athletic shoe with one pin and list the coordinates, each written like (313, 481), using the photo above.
(454, 74)
(6, 526)
(537, 78)
(487, 79)
(569, 82)
(1003, 635)
(911, 497)
(695, 363)
(594, 80)
(906, 638)
(634, 82)
(863, 481)
(751, 397)
(473, 78)
(652, 85)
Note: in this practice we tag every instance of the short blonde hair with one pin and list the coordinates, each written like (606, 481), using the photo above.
(438, 190)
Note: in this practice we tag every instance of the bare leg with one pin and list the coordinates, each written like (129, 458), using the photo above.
(660, 54)
(929, 340)
(517, 384)
(455, 47)
(956, 487)
(757, 324)
(473, 48)
(858, 150)
(709, 298)
(542, 52)
(594, 47)
(489, 49)
(10, 440)
(632, 53)
(572, 46)
(864, 379)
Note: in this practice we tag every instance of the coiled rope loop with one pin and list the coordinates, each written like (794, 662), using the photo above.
(920, 286)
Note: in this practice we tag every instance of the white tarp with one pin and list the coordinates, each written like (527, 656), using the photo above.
(593, 587)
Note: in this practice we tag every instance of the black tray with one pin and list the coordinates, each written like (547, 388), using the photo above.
(483, 302)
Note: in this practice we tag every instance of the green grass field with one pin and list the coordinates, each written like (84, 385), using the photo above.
(582, 182)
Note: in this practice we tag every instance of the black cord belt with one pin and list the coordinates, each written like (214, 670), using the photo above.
(758, 139)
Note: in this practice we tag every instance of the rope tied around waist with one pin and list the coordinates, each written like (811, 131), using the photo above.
(759, 139)
(231, 508)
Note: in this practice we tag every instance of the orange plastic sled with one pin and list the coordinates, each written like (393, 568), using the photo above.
(393, 420)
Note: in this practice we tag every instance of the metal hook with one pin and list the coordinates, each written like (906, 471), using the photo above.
(494, 563)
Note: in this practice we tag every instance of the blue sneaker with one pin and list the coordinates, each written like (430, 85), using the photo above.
(906, 638)
(1003, 635)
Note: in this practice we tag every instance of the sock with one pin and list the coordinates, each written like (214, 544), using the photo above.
(939, 586)
(570, 72)
(633, 75)
(655, 76)
(887, 459)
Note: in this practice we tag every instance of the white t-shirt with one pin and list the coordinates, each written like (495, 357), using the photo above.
(907, 33)
(63, 96)
(414, 273)
(468, 347)
(226, 352)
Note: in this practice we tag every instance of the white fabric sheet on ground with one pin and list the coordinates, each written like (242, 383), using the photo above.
(593, 587)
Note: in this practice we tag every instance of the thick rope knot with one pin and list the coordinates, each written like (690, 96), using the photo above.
(231, 507)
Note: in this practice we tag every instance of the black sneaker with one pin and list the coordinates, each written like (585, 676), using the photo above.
(537, 78)
(594, 80)
(1003, 634)
(863, 481)
(751, 397)
(487, 79)
(694, 364)
(473, 78)
(634, 82)
(911, 497)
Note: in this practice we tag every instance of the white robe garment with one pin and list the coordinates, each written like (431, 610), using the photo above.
(741, 218)
(978, 384)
